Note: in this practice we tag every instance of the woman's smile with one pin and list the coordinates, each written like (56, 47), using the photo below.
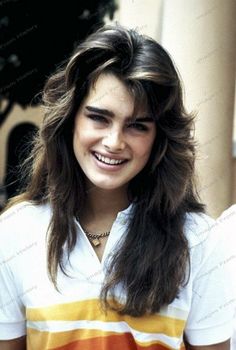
(107, 163)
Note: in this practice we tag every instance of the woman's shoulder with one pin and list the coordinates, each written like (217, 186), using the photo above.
(208, 241)
(227, 223)
(22, 211)
(199, 227)
(23, 229)
(23, 219)
(228, 216)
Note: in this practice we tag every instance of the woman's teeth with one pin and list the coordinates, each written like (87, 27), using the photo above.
(108, 160)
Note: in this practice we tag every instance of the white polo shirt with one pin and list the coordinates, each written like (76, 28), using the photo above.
(72, 317)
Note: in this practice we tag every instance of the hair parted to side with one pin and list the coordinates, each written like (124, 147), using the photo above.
(152, 261)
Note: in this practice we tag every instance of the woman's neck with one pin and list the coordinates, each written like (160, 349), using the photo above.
(104, 203)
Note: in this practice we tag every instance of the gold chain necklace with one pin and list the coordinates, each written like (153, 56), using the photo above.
(94, 238)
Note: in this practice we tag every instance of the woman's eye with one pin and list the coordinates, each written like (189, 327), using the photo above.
(138, 126)
(97, 117)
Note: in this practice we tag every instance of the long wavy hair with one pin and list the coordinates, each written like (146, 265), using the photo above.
(152, 261)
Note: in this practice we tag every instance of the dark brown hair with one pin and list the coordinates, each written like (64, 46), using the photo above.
(152, 261)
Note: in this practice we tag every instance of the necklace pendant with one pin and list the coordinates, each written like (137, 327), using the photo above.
(95, 242)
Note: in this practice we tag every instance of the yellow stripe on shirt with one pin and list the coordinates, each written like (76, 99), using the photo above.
(90, 310)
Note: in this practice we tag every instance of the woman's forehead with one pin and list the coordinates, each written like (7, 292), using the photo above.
(108, 85)
(110, 92)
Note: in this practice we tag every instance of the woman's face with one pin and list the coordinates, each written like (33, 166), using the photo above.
(111, 148)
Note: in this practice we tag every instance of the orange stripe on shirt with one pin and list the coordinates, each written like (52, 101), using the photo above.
(114, 342)
(104, 341)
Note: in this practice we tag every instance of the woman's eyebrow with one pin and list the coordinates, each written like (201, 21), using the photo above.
(100, 110)
(111, 114)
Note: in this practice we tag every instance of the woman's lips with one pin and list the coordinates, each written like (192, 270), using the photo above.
(101, 164)
(106, 157)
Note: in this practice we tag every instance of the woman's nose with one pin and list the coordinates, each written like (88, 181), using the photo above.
(114, 141)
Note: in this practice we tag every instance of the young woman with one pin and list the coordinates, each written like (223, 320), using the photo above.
(108, 247)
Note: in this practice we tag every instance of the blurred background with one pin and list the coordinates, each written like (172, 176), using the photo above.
(198, 34)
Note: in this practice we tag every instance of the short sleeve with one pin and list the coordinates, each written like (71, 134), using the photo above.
(227, 221)
(12, 317)
(210, 319)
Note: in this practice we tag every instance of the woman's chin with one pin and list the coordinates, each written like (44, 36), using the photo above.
(106, 186)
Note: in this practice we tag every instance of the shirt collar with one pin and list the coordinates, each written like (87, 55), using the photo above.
(125, 215)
